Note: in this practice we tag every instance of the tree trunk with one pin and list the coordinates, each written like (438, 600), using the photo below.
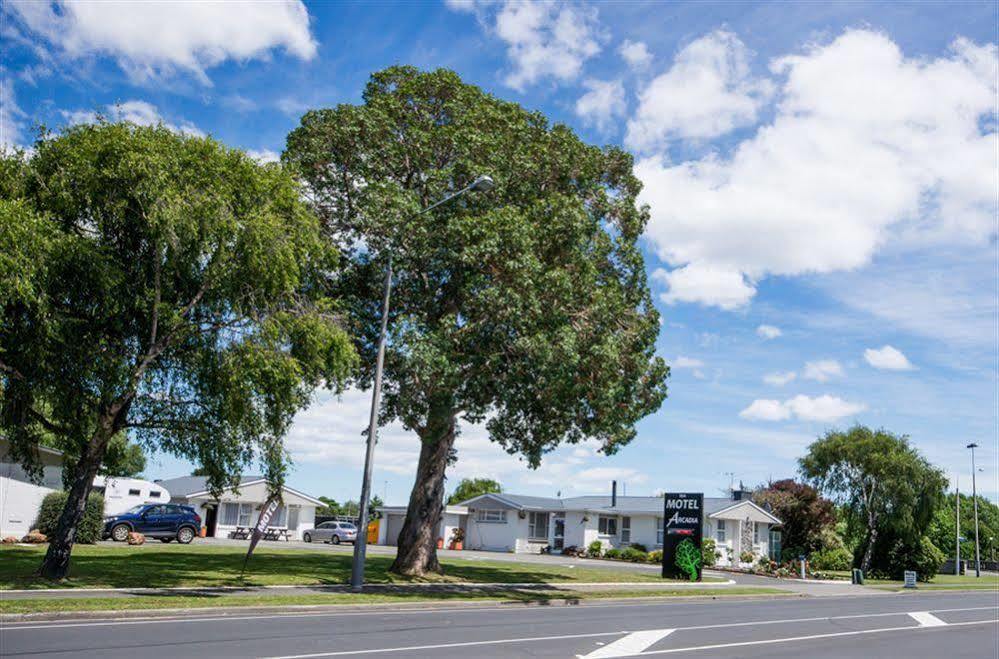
(56, 562)
(417, 550)
(865, 562)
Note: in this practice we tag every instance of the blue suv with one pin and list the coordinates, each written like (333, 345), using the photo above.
(166, 521)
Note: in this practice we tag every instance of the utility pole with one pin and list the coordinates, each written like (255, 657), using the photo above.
(957, 526)
(974, 498)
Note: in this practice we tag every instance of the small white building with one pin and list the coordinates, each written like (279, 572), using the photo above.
(390, 525)
(122, 493)
(20, 498)
(517, 523)
(221, 516)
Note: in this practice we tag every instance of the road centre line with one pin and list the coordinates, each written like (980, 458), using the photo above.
(811, 637)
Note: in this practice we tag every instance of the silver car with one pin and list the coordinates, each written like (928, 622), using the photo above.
(335, 532)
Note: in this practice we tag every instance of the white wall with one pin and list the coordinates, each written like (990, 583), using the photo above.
(20, 499)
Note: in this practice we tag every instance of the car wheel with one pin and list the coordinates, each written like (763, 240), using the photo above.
(307, 537)
(185, 535)
(165, 540)
(335, 539)
(120, 533)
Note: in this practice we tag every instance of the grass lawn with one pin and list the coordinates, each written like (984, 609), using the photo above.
(513, 595)
(161, 565)
(939, 582)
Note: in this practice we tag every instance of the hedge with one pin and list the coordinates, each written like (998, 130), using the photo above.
(91, 526)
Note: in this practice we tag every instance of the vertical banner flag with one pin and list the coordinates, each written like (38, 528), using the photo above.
(682, 523)
(266, 513)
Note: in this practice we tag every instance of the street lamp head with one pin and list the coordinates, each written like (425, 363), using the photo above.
(972, 445)
(483, 184)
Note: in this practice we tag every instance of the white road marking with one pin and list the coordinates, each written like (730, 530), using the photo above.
(927, 619)
(791, 639)
(439, 646)
(632, 644)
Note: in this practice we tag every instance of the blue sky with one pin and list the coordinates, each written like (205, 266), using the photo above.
(822, 178)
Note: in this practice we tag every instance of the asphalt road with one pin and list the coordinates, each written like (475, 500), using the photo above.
(952, 625)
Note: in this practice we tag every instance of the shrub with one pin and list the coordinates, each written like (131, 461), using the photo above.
(639, 546)
(837, 558)
(91, 525)
(612, 553)
(595, 549)
(655, 556)
(747, 556)
(633, 555)
(709, 554)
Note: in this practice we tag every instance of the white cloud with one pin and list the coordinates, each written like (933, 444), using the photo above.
(763, 409)
(768, 331)
(264, 156)
(543, 40)
(635, 53)
(686, 362)
(821, 408)
(157, 38)
(867, 147)
(780, 378)
(704, 284)
(822, 370)
(707, 92)
(603, 101)
(887, 358)
(140, 113)
(10, 113)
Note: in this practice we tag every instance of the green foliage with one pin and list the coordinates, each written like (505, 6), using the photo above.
(123, 459)
(709, 552)
(688, 558)
(595, 549)
(891, 492)
(942, 528)
(526, 308)
(655, 556)
(170, 279)
(892, 556)
(806, 516)
(747, 556)
(91, 526)
(838, 558)
(612, 553)
(469, 488)
(639, 546)
(633, 554)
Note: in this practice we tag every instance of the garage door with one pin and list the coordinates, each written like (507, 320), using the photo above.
(393, 529)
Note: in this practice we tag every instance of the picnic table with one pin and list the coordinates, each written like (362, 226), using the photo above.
(275, 533)
(241, 533)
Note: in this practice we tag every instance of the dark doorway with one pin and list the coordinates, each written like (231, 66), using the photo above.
(211, 518)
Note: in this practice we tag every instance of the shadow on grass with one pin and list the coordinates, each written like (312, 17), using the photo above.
(205, 566)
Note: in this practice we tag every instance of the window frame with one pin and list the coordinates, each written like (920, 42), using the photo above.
(247, 510)
(660, 530)
(490, 516)
(604, 524)
(720, 530)
(134, 492)
(534, 520)
(626, 528)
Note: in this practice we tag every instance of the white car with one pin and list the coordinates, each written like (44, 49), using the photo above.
(335, 532)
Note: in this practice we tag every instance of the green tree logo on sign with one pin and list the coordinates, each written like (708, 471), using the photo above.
(688, 558)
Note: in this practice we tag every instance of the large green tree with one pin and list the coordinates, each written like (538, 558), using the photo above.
(161, 286)
(526, 308)
(892, 492)
(473, 487)
(943, 530)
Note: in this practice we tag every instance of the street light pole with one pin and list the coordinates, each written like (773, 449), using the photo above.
(481, 184)
(974, 498)
(957, 526)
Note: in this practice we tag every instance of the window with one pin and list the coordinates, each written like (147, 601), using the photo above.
(757, 527)
(487, 516)
(280, 516)
(720, 531)
(625, 529)
(659, 531)
(607, 525)
(153, 494)
(230, 514)
(134, 493)
(537, 526)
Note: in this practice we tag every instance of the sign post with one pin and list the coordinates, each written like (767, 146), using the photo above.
(682, 523)
(910, 578)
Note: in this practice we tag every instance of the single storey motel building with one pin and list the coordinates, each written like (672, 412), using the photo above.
(527, 524)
